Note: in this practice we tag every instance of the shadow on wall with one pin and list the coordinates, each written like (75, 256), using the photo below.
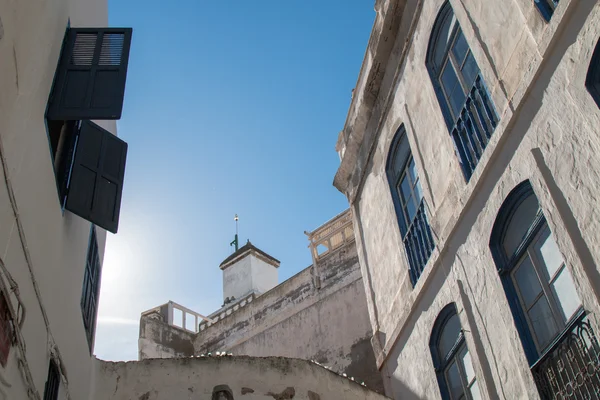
(498, 164)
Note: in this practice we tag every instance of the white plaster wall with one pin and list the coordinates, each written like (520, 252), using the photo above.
(30, 41)
(264, 275)
(295, 319)
(247, 377)
(536, 73)
(237, 279)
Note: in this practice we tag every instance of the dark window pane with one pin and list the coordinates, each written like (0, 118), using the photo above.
(470, 70)
(448, 79)
(411, 209)
(454, 382)
(519, 224)
(527, 282)
(457, 100)
(544, 326)
(460, 48)
(405, 189)
(449, 336)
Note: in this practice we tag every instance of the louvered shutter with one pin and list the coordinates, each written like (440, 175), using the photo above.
(90, 79)
(97, 177)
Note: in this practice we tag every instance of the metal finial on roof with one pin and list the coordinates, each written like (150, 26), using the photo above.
(235, 240)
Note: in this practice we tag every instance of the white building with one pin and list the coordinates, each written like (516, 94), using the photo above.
(470, 160)
(61, 178)
(318, 314)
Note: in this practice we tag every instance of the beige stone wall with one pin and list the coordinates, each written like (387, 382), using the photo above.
(295, 319)
(547, 133)
(247, 378)
(39, 244)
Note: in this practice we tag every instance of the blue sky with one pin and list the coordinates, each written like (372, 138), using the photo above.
(230, 107)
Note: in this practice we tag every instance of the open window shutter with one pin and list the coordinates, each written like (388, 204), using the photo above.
(90, 79)
(97, 177)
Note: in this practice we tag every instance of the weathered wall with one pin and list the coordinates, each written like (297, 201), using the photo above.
(251, 273)
(295, 319)
(43, 248)
(160, 340)
(547, 134)
(247, 378)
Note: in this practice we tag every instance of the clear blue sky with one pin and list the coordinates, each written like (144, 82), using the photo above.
(230, 107)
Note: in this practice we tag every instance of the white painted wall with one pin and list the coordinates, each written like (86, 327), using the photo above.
(250, 273)
(43, 246)
(237, 279)
(536, 74)
(264, 275)
(248, 378)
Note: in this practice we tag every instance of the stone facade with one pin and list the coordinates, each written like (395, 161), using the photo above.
(547, 133)
(322, 319)
(226, 378)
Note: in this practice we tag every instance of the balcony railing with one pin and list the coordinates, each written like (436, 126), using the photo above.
(571, 368)
(474, 127)
(419, 243)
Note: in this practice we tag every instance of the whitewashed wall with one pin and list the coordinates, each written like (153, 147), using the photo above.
(548, 133)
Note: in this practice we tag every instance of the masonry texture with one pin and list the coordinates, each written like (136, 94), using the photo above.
(295, 319)
(242, 377)
(548, 127)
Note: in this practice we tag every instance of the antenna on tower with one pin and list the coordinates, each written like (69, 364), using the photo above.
(235, 241)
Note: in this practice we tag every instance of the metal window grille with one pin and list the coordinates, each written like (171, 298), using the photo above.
(474, 127)
(418, 243)
(571, 367)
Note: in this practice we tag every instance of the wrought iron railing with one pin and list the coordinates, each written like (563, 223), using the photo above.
(571, 367)
(418, 243)
(474, 127)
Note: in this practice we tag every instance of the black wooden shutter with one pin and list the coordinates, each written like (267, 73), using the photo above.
(52, 382)
(90, 79)
(97, 177)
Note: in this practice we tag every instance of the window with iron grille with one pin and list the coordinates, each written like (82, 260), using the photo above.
(462, 94)
(544, 301)
(409, 204)
(451, 358)
(52, 382)
(546, 7)
(6, 330)
(91, 286)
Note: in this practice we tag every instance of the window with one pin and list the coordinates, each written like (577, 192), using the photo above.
(6, 330)
(546, 7)
(88, 161)
(52, 382)
(538, 284)
(91, 287)
(460, 89)
(409, 204)
(592, 80)
(451, 358)
(557, 340)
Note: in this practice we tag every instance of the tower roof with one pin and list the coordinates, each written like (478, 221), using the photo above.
(249, 248)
